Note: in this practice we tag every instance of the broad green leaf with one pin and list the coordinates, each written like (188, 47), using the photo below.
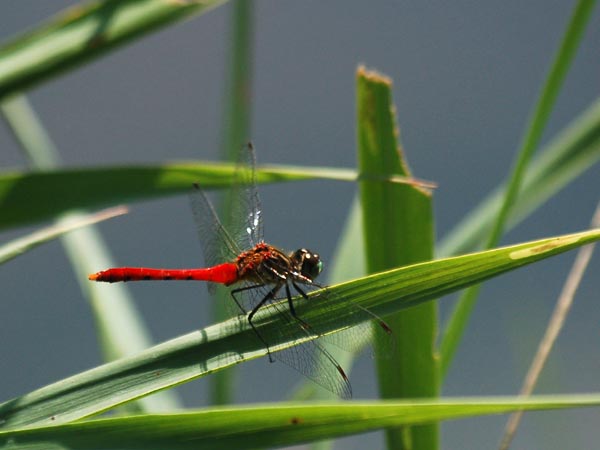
(22, 201)
(82, 33)
(267, 426)
(398, 230)
(228, 343)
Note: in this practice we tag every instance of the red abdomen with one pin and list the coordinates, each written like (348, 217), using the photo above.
(223, 274)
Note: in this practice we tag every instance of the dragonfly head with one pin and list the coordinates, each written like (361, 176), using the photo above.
(308, 263)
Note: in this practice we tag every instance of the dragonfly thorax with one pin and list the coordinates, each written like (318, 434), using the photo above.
(265, 264)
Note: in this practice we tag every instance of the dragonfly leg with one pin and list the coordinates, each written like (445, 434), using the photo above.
(234, 292)
(305, 325)
(270, 296)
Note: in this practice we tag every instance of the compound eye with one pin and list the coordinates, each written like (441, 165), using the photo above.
(310, 263)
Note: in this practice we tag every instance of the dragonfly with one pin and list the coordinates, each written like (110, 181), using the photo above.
(258, 274)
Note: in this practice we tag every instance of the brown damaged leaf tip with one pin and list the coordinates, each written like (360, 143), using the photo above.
(373, 75)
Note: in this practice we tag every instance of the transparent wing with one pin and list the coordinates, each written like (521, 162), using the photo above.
(314, 362)
(242, 228)
(218, 246)
(245, 221)
(309, 358)
(368, 328)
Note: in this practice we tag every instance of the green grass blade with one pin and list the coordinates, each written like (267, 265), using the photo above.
(235, 133)
(82, 33)
(574, 150)
(238, 92)
(22, 202)
(19, 246)
(461, 313)
(541, 114)
(398, 230)
(222, 345)
(253, 427)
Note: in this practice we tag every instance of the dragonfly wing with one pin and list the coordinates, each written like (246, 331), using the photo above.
(311, 359)
(308, 358)
(218, 246)
(317, 364)
(245, 220)
(367, 329)
(242, 228)
(363, 336)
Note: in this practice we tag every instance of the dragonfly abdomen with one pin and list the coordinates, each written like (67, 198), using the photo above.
(222, 273)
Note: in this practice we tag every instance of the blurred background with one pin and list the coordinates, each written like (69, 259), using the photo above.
(466, 75)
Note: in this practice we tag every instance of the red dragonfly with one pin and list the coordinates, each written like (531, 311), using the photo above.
(258, 272)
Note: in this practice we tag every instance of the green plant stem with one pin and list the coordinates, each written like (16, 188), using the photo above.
(235, 133)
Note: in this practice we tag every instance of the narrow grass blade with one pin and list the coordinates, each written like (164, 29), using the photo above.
(461, 313)
(253, 427)
(19, 246)
(570, 43)
(223, 345)
(575, 150)
(82, 33)
(398, 230)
